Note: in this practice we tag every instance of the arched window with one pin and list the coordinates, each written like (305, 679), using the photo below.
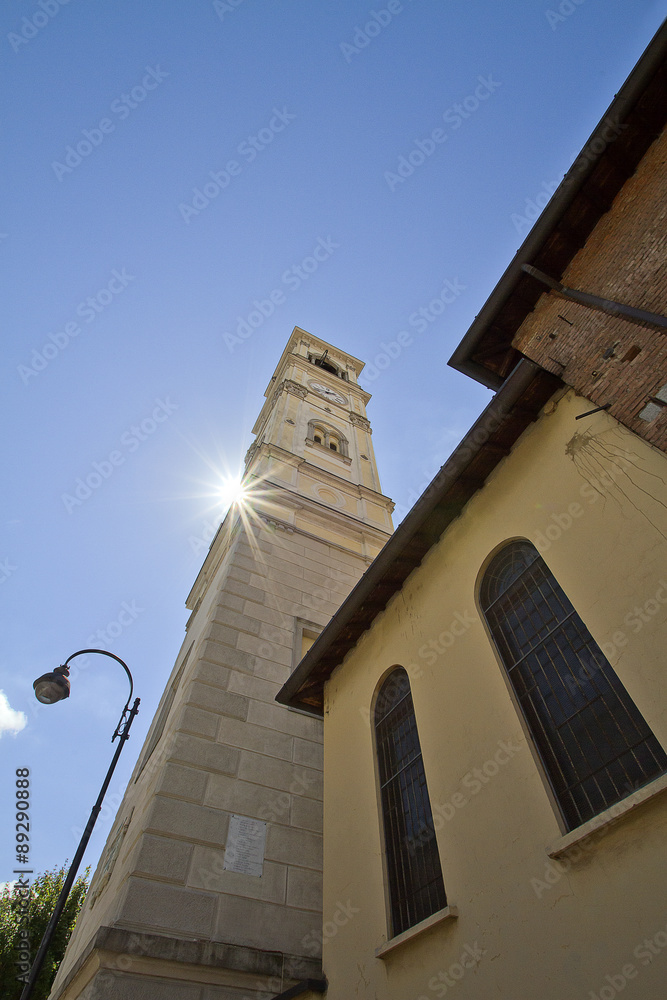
(416, 889)
(594, 743)
(327, 436)
(327, 365)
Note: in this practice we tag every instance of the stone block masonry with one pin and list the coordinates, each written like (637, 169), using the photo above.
(228, 749)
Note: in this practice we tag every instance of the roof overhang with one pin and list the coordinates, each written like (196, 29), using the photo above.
(633, 121)
(612, 154)
(489, 440)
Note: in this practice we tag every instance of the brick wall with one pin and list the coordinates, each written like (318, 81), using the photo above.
(606, 359)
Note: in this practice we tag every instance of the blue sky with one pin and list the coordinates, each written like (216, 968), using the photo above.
(166, 168)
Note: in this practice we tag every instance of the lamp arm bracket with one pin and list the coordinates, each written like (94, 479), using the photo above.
(113, 656)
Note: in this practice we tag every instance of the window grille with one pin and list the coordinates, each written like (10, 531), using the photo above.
(594, 743)
(416, 888)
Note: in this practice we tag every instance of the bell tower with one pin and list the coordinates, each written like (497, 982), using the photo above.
(313, 454)
(209, 887)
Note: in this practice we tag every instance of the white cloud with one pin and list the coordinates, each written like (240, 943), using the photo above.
(11, 721)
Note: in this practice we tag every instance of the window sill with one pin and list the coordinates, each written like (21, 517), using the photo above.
(329, 451)
(604, 820)
(449, 912)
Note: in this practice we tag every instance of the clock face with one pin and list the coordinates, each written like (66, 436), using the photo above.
(328, 393)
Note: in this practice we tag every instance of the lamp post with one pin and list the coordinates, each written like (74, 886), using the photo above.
(50, 688)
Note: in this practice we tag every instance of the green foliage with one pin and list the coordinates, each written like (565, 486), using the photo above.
(43, 895)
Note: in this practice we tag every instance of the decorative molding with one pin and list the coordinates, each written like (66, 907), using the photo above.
(328, 431)
(297, 390)
(277, 524)
(176, 951)
(360, 421)
(345, 459)
(364, 531)
(338, 498)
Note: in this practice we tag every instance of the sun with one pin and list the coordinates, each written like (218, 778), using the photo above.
(231, 491)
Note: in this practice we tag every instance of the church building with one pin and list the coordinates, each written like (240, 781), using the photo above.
(494, 689)
(487, 683)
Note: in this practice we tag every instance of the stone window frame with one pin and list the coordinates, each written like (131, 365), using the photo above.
(328, 431)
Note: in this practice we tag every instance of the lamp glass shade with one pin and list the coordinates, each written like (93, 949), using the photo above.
(51, 687)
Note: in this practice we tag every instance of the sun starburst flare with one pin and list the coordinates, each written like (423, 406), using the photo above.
(248, 499)
(232, 490)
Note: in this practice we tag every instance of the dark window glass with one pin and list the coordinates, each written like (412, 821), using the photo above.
(416, 888)
(593, 741)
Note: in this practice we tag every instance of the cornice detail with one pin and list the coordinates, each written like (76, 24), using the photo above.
(345, 459)
(356, 418)
(297, 390)
(250, 454)
(277, 523)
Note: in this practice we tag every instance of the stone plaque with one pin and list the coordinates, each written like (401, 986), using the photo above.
(246, 842)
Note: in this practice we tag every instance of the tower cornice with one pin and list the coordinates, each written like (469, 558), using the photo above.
(356, 418)
(301, 342)
(316, 471)
(288, 500)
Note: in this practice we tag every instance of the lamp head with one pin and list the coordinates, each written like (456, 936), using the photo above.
(52, 687)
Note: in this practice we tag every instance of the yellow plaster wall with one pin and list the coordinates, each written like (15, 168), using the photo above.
(548, 929)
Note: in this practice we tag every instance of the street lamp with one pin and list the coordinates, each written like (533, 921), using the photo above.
(53, 687)
(49, 689)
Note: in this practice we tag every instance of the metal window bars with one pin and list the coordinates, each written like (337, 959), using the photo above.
(416, 887)
(595, 745)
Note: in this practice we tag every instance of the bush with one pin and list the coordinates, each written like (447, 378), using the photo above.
(43, 894)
